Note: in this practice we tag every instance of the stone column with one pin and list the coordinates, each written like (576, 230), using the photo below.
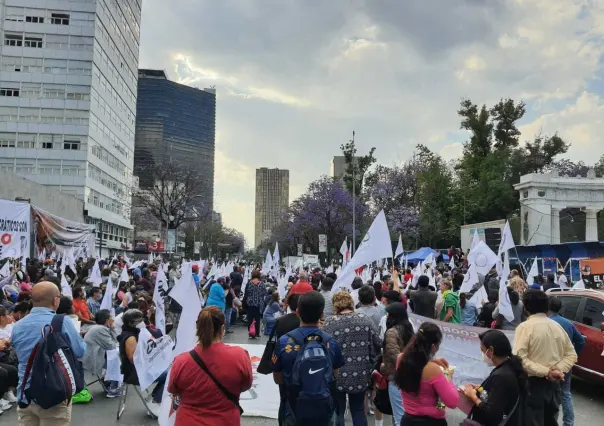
(591, 225)
(555, 226)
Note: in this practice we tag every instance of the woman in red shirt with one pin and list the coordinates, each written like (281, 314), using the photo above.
(202, 402)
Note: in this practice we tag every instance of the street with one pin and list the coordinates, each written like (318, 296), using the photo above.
(588, 400)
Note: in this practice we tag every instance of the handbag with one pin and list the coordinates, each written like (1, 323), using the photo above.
(469, 422)
(225, 391)
(265, 366)
(252, 330)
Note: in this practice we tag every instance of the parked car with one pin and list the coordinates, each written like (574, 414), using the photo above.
(585, 308)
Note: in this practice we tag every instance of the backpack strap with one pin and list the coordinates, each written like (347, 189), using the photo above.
(30, 363)
(57, 323)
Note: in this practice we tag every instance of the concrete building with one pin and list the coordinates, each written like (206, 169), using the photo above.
(272, 198)
(175, 122)
(547, 199)
(338, 166)
(68, 84)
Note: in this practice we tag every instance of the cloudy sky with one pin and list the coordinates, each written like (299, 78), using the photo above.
(295, 77)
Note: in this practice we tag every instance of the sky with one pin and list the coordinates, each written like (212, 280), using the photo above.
(294, 78)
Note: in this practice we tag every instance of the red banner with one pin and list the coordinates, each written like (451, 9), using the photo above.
(592, 272)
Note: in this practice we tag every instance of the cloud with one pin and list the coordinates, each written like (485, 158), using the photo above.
(294, 78)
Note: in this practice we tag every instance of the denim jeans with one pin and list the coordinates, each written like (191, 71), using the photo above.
(568, 414)
(227, 313)
(357, 408)
(396, 401)
(158, 391)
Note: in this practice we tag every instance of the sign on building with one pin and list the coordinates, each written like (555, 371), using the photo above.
(322, 243)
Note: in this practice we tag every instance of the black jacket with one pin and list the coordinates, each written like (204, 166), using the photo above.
(502, 392)
(423, 302)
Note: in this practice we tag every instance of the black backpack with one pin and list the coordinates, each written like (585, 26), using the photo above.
(55, 376)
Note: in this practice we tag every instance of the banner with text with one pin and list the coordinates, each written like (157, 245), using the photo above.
(56, 234)
(461, 347)
(592, 272)
(15, 228)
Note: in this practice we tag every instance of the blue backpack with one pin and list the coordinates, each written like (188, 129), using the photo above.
(54, 369)
(311, 401)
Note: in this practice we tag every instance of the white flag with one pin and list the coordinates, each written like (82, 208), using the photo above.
(503, 267)
(185, 293)
(475, 240)
(505, 305)
(5, 271)
(65, 287)
(95, 275)
(479, 297)
(276, 257)
(160, 289)
(268, 263)
(452, 263)
(124, 275)
(507, 240)
(399, 248)
(151, 357)
(344, 251)
(533, 273)
(469, 280)
(376, 245)
(107, 302)
(579, 285)
(483, 258)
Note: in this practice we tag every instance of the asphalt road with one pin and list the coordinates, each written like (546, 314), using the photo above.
(588, 400)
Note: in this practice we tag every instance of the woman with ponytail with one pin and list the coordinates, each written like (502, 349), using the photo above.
(502, 394)
(425, 388)
(199, 398)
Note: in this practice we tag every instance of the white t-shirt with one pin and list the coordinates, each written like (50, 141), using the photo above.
(563, 281)
(6, 332)
(118, 323)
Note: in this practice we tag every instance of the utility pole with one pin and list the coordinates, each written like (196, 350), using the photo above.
(354, 199)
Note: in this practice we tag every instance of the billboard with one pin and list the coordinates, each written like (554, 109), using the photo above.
(592, 272)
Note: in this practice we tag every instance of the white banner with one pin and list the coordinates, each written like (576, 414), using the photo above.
(15, 228)
(262, 400)
(152, 357)
(322, 243)
(461, 347)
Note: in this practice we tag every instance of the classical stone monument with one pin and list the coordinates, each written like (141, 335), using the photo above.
(544, 196)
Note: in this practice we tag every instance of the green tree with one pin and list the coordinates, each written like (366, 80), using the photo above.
(355, 166)
(505, 115)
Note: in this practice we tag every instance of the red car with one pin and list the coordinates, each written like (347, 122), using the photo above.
(585, 308)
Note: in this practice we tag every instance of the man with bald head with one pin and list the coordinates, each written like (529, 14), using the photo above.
(26, 334)
(302, 286)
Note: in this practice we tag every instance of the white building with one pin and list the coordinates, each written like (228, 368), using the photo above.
(68, 85)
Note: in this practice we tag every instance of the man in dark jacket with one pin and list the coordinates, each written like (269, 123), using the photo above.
(423, 300)
(551, 283)
(236, 280)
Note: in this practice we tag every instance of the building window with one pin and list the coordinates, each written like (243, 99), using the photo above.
(73, 145)
(59, 18)
(9, 92)
(47, 145)
(13, 40)
(7, 144)
(35, 42)
(34, 19)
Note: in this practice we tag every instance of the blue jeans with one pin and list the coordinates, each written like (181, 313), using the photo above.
(396, 401)
(357, 408)
(227, 313)
(158, 391)
(568, 414)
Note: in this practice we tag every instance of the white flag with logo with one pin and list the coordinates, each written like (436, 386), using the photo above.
(483, 258)
(376, 245)
(507, 240)
(399, 248)
(151, 357)
(475, 240)
(469, 280)
(158, 299)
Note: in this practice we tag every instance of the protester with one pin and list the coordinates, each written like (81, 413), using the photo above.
(578, 341)
(503, 393)
(25, 336)
(551, 283)
(202, 401)
(423, 300)
(128, 339)
(517, 308)
(100, 339)
(547, 354)
(517, 283)
(195, 273)
(94, 301)
(253, 302)
(326, 286)
(469, 312)
(302, 286)
(6, 324)
(272, 313)
(450, 311)
(229, 299)
(21, 310)
(356, 285)
(358, 337)
(398, 335)
(368, 305)
(217, 296)
(300, 407)
(485, 317)
(562, 280)
(422, 380)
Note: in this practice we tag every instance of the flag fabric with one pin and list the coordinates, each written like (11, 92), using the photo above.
(5, 271)
(452, 263)
(124, 275)
(399, 248)
(95, 275)
(276, 258)
(534, 272)
(376, 245)
(505, 305)
(158, 299)
(344, 251)
(479, 297)
(579, 285)
(483, 258)
(475, 240)
(65, 287)
(503, 267)
(107, 302)
(469, 280)
(349, 252)
(507, 240)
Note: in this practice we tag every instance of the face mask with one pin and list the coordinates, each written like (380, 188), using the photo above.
(140, 325)
(488, 361)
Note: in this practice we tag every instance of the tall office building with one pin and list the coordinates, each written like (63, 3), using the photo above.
(174, 122)
(338, 166)
(68, 76)
(272, 198)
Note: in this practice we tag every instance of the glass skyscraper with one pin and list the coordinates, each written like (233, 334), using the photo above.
(174, 122)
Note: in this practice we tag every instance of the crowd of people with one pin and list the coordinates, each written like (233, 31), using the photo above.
(352, 348)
